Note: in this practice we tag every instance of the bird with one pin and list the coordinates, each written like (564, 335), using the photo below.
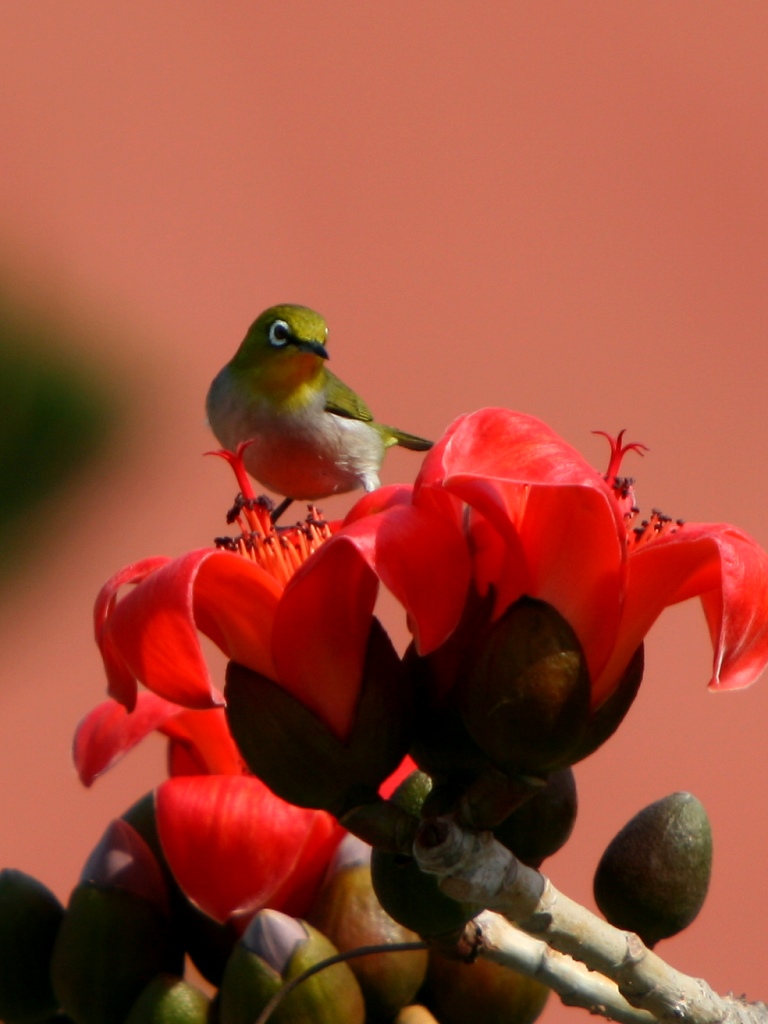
(310, 435)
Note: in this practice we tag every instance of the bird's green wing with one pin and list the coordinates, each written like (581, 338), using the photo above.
(343, 401)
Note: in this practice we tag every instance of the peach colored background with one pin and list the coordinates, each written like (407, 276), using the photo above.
(555, 206)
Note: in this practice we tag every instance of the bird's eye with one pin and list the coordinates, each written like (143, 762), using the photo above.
(279, 333)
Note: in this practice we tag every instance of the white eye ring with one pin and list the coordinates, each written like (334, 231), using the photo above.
(279, 333)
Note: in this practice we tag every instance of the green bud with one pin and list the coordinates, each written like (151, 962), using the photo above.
(544, 822)
(484, 991)
(116, 933)
(415, 1014)
(110, 945)
(275, 949)
(168, 999)
(526, 697)
(404, 891)
(347, 911)
(30, 916)
(654, 875)
(300, 758)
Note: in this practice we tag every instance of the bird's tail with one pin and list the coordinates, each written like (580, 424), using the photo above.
(411, 441)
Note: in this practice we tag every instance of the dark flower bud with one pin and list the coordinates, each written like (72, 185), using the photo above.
(608, 716)
(274, 949)
(442, 746)
(30, 916)
(300, 758)
(382, 824)
(123, 860)
(492, 796)
(404, 891)
(347, 911)
(544, 822)
(654, 875)
(526, 696)
(116, 933)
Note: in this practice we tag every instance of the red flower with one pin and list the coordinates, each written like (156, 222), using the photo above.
(151, 634)
(232, 845)
(503, 500)
(233, 593)
(503, 508)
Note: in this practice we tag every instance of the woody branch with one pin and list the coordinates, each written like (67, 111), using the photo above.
(583, 958)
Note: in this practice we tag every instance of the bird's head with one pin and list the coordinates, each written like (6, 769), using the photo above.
(284, 351)
(282, 333)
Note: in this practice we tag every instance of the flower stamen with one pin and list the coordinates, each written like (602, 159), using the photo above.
(235, 460)
(280, 550)
(658, 525)
(622, 486)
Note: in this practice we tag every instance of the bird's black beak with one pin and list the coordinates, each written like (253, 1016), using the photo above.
(316, 347)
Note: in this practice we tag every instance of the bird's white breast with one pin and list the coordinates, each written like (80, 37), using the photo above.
(306, 454)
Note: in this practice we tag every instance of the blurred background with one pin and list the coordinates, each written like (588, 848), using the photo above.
(556, 207)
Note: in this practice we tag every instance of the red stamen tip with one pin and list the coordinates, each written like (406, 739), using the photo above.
(235, 459)
(618, 451)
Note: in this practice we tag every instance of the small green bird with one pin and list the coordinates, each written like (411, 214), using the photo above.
(311, 435)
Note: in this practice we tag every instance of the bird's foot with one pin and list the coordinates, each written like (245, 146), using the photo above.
(278, 511)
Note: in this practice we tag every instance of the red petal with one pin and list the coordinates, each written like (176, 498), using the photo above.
(422, 559)
(737, 611)
(153, 629)
(108, 732)
(122, 684)
(230, 842)
(235, 603)
(562, 545)
(400, 774)
(379, 501)
(105, 599)
(298, 892)
(509, 445)
(723, 566)
(183, 760)
(321, 632)
(322, 625)
(205, 739)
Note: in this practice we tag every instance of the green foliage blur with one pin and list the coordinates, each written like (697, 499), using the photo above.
(55, 417)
